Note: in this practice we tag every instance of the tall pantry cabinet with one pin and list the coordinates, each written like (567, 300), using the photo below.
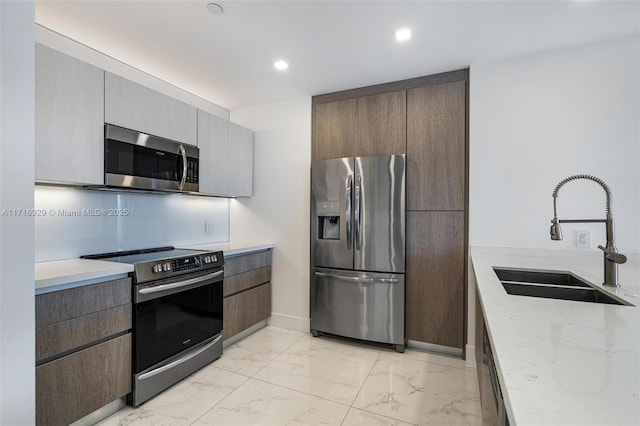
(426, 119)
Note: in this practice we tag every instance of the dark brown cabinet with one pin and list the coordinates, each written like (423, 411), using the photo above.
(435, 277)
(426, 118)
(75, 385)
(363, 126)
(247, 292)
(436, 147)
(334, 129)
(83, 350)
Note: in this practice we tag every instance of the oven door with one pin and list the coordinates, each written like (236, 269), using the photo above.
(172, 316)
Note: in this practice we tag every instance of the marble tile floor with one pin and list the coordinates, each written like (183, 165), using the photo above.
(282, 377)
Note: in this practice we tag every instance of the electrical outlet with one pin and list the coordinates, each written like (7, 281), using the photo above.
(208, 227)
(583, 239)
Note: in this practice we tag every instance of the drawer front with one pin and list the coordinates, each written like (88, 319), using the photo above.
(73, 333)
(246, 280)
(240, 264)
(246, 309)
(73, 386)
(64, 305)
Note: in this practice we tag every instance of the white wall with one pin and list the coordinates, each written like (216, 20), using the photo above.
(17, 320)
(279, 210)
(537, 119)
(540, 118)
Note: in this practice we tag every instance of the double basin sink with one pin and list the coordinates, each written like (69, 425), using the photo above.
(552, 285)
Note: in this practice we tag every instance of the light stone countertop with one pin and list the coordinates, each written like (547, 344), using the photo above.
(232, 249)
(563, 362)
(64, 274)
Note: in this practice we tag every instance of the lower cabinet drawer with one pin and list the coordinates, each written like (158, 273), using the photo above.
(73, 386)
(246, 280)
(64, 336)
(245, 309)
(246, 262)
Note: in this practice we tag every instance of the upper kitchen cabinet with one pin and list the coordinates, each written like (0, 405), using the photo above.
(334, 129)
(212, 142)
(382, 124)
(359, 126)
(69, 119)
(436, 126)
(130, 105)
(226, 157)
(240, 160)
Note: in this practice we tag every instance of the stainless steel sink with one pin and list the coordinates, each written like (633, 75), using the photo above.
(551, 285)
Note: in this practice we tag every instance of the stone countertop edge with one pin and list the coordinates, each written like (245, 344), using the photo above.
(231, 249)
(63, 274)
(558, 361)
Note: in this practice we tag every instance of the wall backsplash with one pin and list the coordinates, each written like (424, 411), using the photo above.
(76, 222)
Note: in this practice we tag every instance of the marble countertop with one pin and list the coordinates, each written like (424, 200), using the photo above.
(563, 362)
(63, 274)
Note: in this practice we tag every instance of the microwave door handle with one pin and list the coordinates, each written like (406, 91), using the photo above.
(348, 218)
(183, 152)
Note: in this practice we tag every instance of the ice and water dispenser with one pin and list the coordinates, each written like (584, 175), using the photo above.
(328, 218)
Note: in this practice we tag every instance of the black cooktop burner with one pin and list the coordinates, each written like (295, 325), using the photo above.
(143, 255)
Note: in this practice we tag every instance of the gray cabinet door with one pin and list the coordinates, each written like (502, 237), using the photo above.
(130, 105)
(240, 160)
(69, 119)
(212, 142)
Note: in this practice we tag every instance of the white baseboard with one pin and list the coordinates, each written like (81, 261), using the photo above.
(290, 322)
(471, 355)
(431, 347)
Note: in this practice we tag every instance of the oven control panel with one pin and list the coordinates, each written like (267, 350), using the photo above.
(185, 263)
(168, 267)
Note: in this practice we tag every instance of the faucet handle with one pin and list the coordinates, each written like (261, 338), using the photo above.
(613, 256)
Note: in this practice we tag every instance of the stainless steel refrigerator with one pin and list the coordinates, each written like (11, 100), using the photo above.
(358, 248)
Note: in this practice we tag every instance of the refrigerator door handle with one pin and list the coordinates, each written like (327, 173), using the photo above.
(357, 279)
(358, 214)
(348, 212)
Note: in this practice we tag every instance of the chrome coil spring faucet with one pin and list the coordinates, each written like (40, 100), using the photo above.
(611, 256)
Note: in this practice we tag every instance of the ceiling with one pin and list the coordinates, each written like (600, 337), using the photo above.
(329, 45)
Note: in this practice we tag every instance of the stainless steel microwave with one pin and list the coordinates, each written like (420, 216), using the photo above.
(140, 161)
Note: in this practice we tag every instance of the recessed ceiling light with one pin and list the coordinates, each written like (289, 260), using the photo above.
(215, 8)
(403, 34)
(280, 65)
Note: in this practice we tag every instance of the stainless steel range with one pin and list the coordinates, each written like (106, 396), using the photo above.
(177, 315)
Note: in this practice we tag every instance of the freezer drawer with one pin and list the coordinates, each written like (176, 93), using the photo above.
(360, 305)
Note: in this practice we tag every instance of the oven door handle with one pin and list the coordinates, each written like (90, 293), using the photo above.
(179, 361)
(185, 283)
